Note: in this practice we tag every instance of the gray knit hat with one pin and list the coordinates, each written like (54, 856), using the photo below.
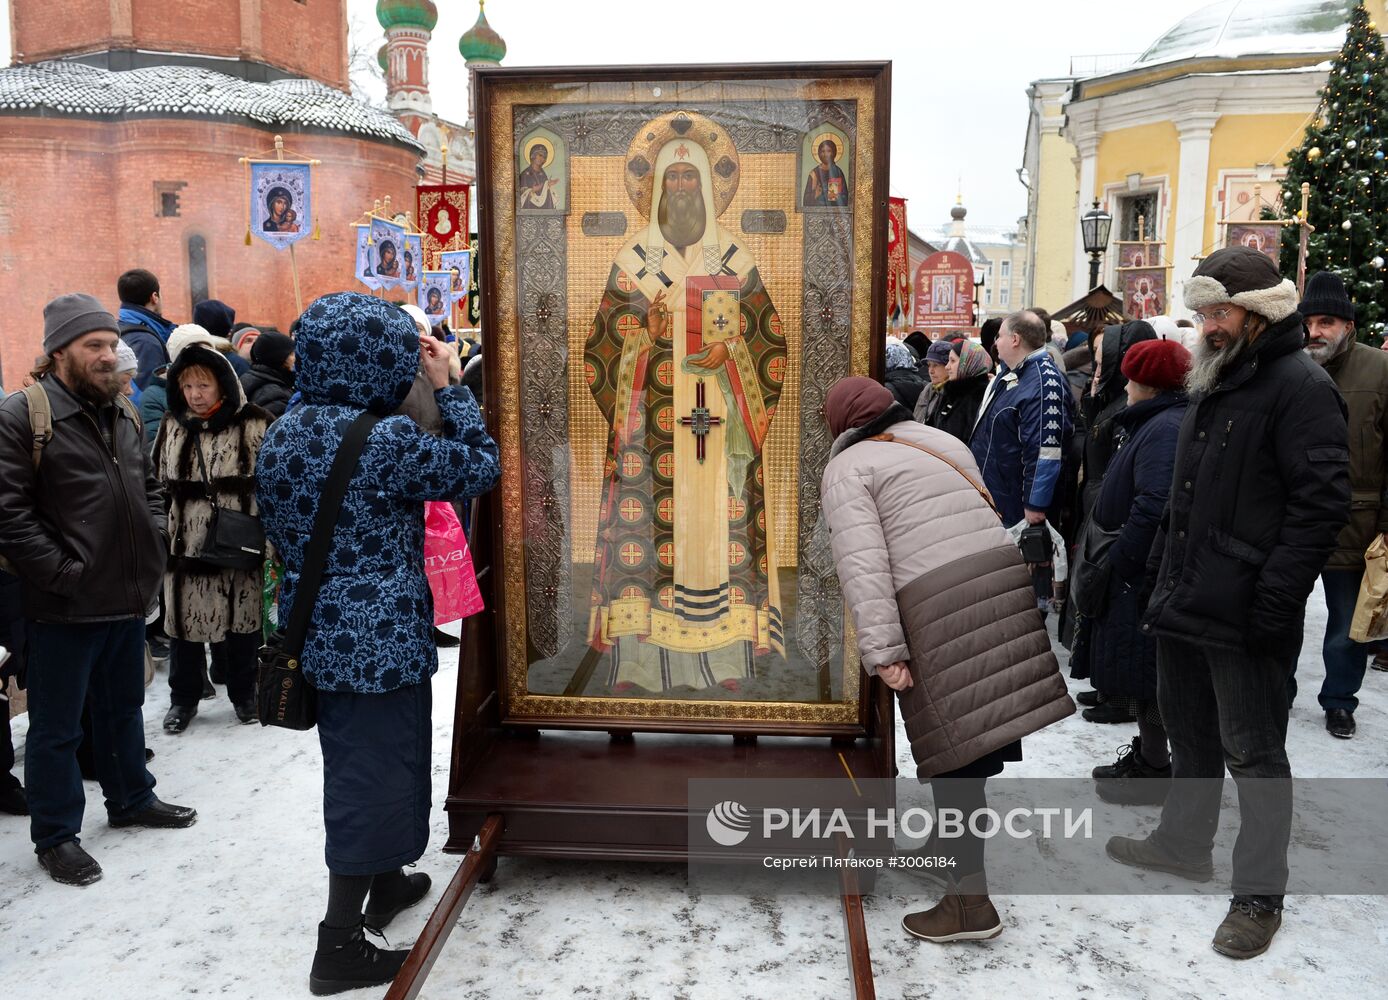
(70, 316)
(1245, 277)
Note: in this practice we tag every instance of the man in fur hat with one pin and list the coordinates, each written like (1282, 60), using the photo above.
(1261, 491)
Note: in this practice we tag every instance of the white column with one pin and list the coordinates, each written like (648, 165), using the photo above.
(1087, 148)
(1193, 127)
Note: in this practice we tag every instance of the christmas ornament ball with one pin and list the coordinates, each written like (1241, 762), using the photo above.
(1347, 225)
(1366, 78)
(1313, 154)
(1379, 156)
(1364, 181)
(1377, 262)
(1352, 144)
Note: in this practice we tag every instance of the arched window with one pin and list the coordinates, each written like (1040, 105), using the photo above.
(197, 269)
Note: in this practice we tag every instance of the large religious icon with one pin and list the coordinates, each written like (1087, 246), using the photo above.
(280, 200)
(540, 185)
(661, 349)
(826, 167)
(1261, 236)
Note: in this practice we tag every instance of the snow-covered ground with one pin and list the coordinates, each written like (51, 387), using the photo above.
(229, 907)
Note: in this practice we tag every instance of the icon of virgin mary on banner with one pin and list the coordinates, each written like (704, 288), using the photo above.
(456, 263)
(387, 248)
(685, 360)
(434, 295)
(281, 202)
(412, 266)
(366, 273)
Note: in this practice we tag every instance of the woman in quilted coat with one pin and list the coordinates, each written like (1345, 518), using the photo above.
(205, 454)
(945, 614)
(369, 650)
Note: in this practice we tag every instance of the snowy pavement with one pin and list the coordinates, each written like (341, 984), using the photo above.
(230, 907)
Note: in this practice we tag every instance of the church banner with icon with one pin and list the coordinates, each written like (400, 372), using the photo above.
(387, 245)
(434, 295)
(686, 266)
(411, 266)
(1144, 291)
(442, 211)
(365, 270)
(458, 264)
(898, 266)
(1264, 237)
(281, 201)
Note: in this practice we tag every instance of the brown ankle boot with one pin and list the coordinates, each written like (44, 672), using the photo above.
(965, 914)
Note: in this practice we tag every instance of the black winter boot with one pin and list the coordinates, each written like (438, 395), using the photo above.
(391, 894)
(345, 960)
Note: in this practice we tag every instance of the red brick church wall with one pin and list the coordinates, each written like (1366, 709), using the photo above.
(79, 204)
(303, 38)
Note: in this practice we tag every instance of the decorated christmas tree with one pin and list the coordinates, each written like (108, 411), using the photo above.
(1343, 159)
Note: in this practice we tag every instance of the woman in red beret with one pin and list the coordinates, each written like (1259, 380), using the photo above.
(1113, 594)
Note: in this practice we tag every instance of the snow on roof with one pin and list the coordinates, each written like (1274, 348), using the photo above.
(1233, 28)
(77, 89)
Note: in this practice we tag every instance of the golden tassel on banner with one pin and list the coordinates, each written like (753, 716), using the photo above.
(317, 233)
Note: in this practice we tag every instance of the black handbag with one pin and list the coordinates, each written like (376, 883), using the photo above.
(234, 540)
(1092, 571)
(284, 696)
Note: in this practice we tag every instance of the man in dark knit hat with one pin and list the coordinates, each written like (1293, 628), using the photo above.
(1361, 375)
(1259, 494)
(84, 528)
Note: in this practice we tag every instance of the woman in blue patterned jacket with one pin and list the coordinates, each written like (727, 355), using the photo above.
(370, 650)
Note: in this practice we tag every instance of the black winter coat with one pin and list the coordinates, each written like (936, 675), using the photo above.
(905, 386)
(86, 530)
(1101, 406)
(1259, 493)
(1122, 658)
(957, 410)
(269, 388)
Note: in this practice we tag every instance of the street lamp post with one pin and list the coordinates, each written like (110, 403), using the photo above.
(1095, 226)
(979, 278)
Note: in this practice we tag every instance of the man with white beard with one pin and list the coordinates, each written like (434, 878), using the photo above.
(1259, 494)
(1361, 374)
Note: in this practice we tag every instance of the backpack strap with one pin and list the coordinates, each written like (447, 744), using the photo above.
(40, 418)
(128, 408)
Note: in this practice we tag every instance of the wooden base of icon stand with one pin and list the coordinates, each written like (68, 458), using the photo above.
(614, 796)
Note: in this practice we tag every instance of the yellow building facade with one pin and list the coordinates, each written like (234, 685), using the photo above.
(1195, 130)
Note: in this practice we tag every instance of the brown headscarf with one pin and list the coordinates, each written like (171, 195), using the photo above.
(855, 401)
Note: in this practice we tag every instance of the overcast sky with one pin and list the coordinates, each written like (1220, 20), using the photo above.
(960, 68)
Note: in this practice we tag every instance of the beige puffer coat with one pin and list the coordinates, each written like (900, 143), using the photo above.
(931, 578)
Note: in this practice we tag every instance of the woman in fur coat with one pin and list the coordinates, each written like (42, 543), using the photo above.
(205, 455)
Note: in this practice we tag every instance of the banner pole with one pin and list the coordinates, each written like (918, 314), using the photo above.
(293, 261)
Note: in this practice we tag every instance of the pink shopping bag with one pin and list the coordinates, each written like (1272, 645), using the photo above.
(449, 564)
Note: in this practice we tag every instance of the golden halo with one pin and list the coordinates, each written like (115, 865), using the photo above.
(836, 139)
(639, 169)
(531, 143)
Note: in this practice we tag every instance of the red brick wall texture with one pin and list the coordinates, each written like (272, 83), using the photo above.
(304, 37)
(78, 206)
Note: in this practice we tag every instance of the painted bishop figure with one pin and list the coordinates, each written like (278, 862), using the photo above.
(685, 594)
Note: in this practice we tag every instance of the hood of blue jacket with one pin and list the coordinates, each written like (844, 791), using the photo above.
(356, 350)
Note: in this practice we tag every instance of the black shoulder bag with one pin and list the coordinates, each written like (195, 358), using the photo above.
(284, 697)
(234, 540)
